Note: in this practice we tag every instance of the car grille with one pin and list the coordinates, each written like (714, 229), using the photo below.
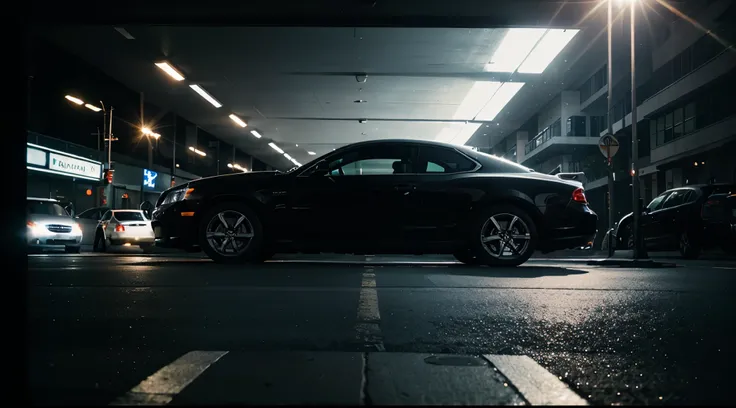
(59, 228)
(60, 241)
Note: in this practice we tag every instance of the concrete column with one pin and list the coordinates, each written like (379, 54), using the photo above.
(570, 106)
(522, 138)
(566, 159)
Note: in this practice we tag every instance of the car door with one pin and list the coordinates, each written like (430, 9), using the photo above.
(88, 221)
(358, 200)
(664, 221)
(441, 202)
(105, 220)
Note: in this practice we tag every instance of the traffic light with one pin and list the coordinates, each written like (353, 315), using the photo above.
(107, 176)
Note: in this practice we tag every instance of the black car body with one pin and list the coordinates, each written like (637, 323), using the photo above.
(687, 219)
(390, 196)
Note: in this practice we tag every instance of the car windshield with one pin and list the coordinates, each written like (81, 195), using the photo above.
(39, 207)
(129, 216)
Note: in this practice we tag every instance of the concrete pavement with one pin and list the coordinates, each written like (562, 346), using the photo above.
(410, 330)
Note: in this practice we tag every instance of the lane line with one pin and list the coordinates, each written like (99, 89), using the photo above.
(536, 385)
(367, 328)
(724, 267)
(161, 387)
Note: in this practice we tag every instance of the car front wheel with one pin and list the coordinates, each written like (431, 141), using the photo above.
(503, 235)
(231, 233)
(689, 247)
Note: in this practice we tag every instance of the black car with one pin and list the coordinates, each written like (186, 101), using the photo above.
(389, 196)
(685, 219)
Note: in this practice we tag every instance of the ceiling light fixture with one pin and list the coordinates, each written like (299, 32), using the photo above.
(92, 107)
(274, 147)
(547, 49)
(124, 33)
(199, 152)
(296, 162)
(238, 120)
(198, 89)
(311, 153)
(287, 156)
(502, 97)
(168, 69)
(478, 96)
(255, 133)
(514, 48)
(74, 100)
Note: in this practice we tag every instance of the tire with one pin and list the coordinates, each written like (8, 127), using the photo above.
(72, 249)
(100, 243)
(490, 251)
(239, 241)
(466, 257)
(689, 248)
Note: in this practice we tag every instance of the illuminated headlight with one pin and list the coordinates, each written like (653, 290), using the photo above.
(76, 229)
(178, 195)
(35, 229)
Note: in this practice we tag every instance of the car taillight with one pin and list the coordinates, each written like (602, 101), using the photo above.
(119, 228)
(579, 196)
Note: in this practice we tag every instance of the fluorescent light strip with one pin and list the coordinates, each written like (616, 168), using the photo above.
(287, 156)
(124, 33)
(255, 133)
(92, 107)
(311, 153)
(170, 71)
(75, 100)
(274, 147)
(238, 120)
(198, 89)
(465, 133)
(199, 152)
(502, 97)
(480, 93)
(514, 49)
(547, 50)
(296, 162)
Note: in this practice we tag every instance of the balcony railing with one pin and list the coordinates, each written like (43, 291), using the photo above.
(553, 130)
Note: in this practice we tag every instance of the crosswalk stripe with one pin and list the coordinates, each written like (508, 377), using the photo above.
(536, 385)
(161, 387)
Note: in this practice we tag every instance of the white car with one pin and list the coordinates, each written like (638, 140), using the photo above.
(124, 227)
(50, 226)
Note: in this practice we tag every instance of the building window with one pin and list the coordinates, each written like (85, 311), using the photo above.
(689, 118)
(668, 131)
(660, 131)
(678, 123)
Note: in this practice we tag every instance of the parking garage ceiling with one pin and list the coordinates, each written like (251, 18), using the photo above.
(313, 89)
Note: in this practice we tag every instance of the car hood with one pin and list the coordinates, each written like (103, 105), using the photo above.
(51, 219)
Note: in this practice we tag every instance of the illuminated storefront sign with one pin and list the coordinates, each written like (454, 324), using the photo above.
(149, 178)
(52, 161)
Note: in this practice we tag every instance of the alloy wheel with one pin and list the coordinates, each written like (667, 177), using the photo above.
(229, 233)
(505, 236)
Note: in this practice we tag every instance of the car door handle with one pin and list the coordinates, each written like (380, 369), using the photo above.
(405, 188)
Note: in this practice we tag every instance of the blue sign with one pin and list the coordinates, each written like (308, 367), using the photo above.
(149, 178)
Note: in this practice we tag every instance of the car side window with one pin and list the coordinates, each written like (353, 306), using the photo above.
(91, 214)
(442, 160)
(656, 204)
(374, 160)
(107, 216)
(676, 198)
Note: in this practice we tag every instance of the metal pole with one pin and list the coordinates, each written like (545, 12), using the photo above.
(609, 119)
(109, 142)
(634, 138)
(218, 157)
(173, 155)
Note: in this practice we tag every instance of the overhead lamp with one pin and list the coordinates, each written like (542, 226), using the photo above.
(502, 97)
(92, 107)
(547, 49)
(199, 152)
(296, 162)
(74, 100)
(311, 153)
(198, 89)
(238, 120)
(147, 131)
(288, 157)
(514, 48)
(274, 147)
(480, 93)
(237, 167)
(170, 71)
(255, 133)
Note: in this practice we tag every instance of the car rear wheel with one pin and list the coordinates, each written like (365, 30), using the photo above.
(689, 248)
(231, 233)
(503, 235)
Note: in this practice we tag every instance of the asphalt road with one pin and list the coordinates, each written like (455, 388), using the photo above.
(182, 330)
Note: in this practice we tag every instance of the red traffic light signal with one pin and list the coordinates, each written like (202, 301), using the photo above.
(108, 176)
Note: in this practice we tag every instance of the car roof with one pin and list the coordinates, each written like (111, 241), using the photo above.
(51, 200)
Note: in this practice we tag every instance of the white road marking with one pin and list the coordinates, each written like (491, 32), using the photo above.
(724, 267)
(536, 385)
(161, 387)
(369, 317)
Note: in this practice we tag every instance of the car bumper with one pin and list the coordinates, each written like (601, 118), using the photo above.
(578, 228)
(175, 225)
(53, 241)
(123, 239)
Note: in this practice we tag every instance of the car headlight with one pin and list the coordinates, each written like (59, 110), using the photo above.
(76, 228)
(178, 195)
(34, 228)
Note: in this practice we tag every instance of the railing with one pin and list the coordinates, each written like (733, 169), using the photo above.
(553, 130)
(510, 154)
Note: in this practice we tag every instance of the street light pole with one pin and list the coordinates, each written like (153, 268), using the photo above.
(609, 119)
(634, 139)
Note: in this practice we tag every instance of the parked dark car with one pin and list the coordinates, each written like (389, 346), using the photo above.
(688, 219)
(390, 196)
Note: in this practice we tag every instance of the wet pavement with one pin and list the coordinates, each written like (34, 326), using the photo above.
(173, 329)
